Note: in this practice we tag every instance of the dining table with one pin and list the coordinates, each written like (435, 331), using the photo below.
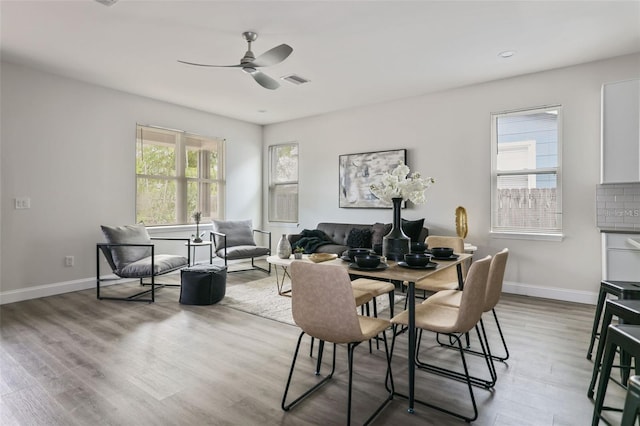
(396, 272)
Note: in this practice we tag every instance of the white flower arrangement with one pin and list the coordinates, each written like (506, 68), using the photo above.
(400, 183)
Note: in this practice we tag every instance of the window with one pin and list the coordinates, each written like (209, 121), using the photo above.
(177, 174)
(283, 183)
(526, 179)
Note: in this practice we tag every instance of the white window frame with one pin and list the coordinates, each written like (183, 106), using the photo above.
(529, 233)
(182, 141)
(274, 207)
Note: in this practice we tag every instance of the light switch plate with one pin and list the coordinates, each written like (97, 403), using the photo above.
(23, 203)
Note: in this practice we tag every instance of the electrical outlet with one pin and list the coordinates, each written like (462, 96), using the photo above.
(69, 261)
(23, 203)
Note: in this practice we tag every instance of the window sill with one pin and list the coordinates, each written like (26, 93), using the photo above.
(177, 228)
(526, 236)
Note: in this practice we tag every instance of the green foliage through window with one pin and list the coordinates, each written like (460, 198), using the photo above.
(177, 174)
(283, 183)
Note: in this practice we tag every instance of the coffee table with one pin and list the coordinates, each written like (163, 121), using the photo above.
(284, 264)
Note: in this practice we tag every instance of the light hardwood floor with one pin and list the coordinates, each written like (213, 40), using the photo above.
(73, 360)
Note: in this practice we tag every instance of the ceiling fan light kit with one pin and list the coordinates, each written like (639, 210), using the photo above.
(250, 64)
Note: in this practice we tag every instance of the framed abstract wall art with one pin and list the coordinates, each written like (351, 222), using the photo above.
(357, 173)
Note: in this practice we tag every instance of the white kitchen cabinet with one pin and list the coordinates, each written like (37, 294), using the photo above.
(621, 132)
(621, 257)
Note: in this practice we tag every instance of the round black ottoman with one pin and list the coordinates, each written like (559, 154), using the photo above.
(203, 284)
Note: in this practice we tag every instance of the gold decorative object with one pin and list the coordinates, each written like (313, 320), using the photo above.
(461, 222)
(322, 257)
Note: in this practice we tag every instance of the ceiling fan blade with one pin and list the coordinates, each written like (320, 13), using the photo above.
(207, 65)
(264, 80)
(272, 56)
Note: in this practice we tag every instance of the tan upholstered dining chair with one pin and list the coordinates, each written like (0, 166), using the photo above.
(324, 307)
(454, 322)
(492, 297)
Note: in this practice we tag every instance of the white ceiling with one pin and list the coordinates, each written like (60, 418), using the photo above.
(354, 52)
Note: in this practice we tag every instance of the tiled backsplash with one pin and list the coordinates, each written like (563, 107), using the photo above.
(618, 206)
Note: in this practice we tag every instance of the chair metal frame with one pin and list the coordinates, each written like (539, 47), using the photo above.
(350, 349)
(466, 377)
(486, 353)
(105, 248)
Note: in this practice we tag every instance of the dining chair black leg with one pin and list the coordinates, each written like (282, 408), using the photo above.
(504, 343)
(388, 378)
(319, 360)
(284, 405)
(452, 374)
(350, 348)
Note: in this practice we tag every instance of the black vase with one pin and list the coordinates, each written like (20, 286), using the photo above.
(396, 244)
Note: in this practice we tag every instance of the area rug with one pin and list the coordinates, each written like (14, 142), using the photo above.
(261, 298)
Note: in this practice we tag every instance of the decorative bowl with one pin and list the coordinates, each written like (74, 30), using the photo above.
(322, 257)
(442, 252)
(357, 251)
(417, 259)
(367, 260)
(418, 247)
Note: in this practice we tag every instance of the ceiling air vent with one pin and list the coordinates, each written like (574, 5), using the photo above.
(295, 79)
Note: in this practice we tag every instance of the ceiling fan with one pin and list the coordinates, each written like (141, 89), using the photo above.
(250, 64)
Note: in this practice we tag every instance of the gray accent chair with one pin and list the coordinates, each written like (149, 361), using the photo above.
(130, 253)
(235, 240)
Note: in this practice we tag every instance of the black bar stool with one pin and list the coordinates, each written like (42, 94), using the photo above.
(627, 311)
(631, 403)
(620, 289)
(627, 338)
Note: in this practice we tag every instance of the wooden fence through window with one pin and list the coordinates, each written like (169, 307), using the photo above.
(532, 208)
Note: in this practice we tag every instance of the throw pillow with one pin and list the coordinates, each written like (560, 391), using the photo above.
(133, 234)
(359, 238)
(238, 232)
(413, 228)
(379, 230)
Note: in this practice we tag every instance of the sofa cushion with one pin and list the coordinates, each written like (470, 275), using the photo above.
(379, 231)
(411, 228)
(337, 249)
(338, 232)
(127, 234)
(238, 232)
(359, 238)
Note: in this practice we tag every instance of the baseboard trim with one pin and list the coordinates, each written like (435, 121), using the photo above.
(578, 296)
(12, 296)
(45, 290)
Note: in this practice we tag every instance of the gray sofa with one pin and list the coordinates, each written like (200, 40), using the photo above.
(339, 234)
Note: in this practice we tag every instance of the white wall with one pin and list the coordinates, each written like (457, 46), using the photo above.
(70, 147)
(447, 136)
